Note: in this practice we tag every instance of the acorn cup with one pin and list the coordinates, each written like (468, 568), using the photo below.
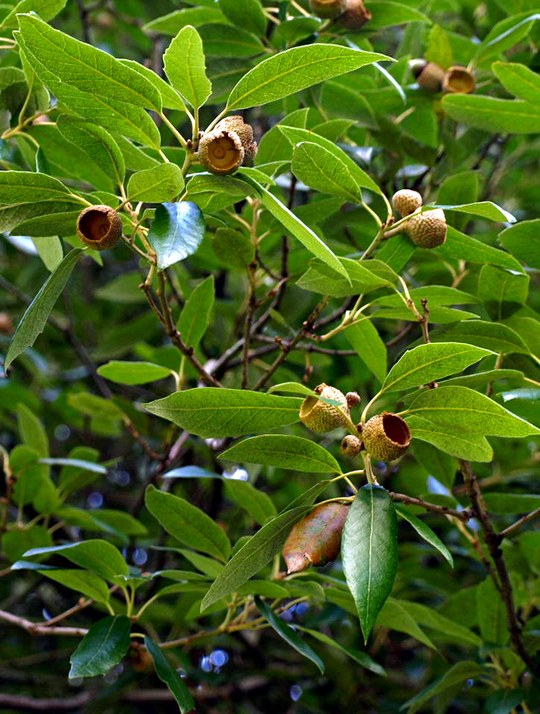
(386, 436)
(428, 75)
(427, 230)
(316, 539)
(99, 227)
(244, 132)
(406, 201)
(221, 152)
(321, 417)
(328, 8)
(355, 16)
(458, 80)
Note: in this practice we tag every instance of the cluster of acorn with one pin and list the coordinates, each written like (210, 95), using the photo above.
(316, 539)
(426, 230)
(351, 14)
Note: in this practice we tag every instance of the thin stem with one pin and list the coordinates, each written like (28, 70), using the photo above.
(183, 143)
(515, 527)
(464, 515)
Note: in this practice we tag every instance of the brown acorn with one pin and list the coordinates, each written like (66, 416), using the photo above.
(351, 445)
(427, 230)
(428, 75)
(353, 399)
(458, 80)
(6, 324)
(321, 417)
(221, 152)
(328, 8)
(355, 16)
(99, 227)
(244, 132)
(386, 436)
(406, 201)
(316, 539)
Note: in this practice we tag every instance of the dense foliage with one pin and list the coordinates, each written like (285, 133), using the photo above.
(216, 355)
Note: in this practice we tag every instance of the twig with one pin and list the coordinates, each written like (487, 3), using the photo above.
(35, 628)
(464, 515)
(519, 524)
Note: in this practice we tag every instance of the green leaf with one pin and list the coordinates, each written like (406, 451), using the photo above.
(184, 64)
(426, 363)
(321, 170)
(506, 33)
(521, 241)
(170, 98)
(98, 556)
(361, 658)
(160, 183)
(234, 248)
(365, 339)
(253, 555)
(492, 114)
(97, 143)
(463, 247)
(295, 69)
(456, 675)
(37, 313)
(369, 552)
(46, 9)
(104, 646)
(133, 372)
(425, 532)
(173, 22)
(491, 614)
(283, 451)
(248, 14)
(303, 233)
(31, 431)
(176, 233)
(187, 523)
(225, 41)
(289, 635)
(196, 313)
(438, 464)
(450, 630)
(395, 616)
(212, 412)
(519, 80)
(484, 209)
(50, 250)
(257, 503)
(502, 290)
(169, 676)
(466, 412)
(321, 278)
(492, 336)
(502, 503)
(387, 14)
(472, 447)
(82, 581)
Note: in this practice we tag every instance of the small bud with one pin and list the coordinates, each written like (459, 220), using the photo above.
(244, 132)
(351, 445)
(406, 201)
(316, 539)
(328, 8)
(221, 152)
(321, 417)
(355, 16)
(6, 324)
(386, 436)
(353, 399)
(99, 227)
(430, 77)
(427, 230)
(458, 80)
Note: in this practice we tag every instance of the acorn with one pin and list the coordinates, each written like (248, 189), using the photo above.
(386, 436)
(328, 8)
(427, 230)
(355, 16)
(458, 80)
(221, 152)
(406, 201)
(351, 445)
(6, 324)
(321, 417)
(99, 227)
(353, 399)
(316, 539)
(244, 132)
(428, 75)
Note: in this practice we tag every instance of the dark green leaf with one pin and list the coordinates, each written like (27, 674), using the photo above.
(184, 64)
(176, 233)
(104, 646)
(196, 313)
(160, 183)
(287, 452)
(133, 372)
(96, 555)
(257, 503)
(169, 676)
(361, 658)
(425, 532)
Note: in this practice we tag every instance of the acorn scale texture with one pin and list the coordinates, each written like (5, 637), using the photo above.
(322, 417)
(221, 151)
(244, 132)
(386, 436)
(427, 230)
(99, 227)
(406, 201)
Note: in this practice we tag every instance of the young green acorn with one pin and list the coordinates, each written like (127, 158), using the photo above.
(406, 201)
(99, 227)
(386, 436)
(316, 539)
(427, 230)
(328, 8)
(321, 417)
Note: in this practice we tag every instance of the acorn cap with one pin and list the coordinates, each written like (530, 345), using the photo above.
(321, 417)
(351, 445)
(99, 227)
(244, 131)
(406, 201)
(427, 230)
(221, 152)
(458, 80)
(386, 436)
(315, 540)
(355, 16)
(328, 8)
(353, 399)
(431, 77)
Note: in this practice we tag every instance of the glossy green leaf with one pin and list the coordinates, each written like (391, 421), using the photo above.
(169, 676)
(293, 70)
(225, 41)
(483, 209)
(98, 556)
(160, 183)
(37, 313)
(133, 372)
(226, 412)
(170, 98)
(429, 617)
(289, 635)
(425, 532)
(322, 278)
(463, 411)
(491, 614)
(472, 447)
(512, 502)
(321, 170)
(283, 451)
(464, 247)
(395, 616)
(257, 552)
(369, 552)
(82, 581)
(387, 14)
(521, 241)
(196, 313)
(506, 33)
(492, 336)
(255, 502)
(176, 233)
(173, 22)
(361, 658)
(50, 251)
(187, 523)
(184, 64)
(248, 14)
(426, 363)
(46, 9)
(492, 114)
(365, 339)
(104, 646)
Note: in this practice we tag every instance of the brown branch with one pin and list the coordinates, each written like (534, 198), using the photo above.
(35, 628)
(519, 524)
(464, 515)
(493, 540)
